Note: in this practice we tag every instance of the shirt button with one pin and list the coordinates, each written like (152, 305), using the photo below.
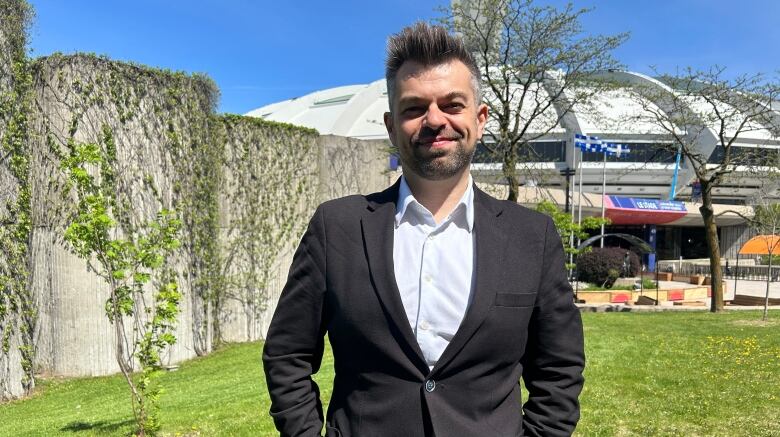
(424, 325)
(430, 385)
(430, 237)
(427, 278)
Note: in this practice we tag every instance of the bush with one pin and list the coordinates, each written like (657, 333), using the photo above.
(775, 260)
(595, 266)
(648, 283)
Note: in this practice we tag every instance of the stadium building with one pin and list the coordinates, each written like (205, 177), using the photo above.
(646, 193)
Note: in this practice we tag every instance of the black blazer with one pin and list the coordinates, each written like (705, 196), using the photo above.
(521, 322)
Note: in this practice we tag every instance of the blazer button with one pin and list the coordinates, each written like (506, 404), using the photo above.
(430, 385)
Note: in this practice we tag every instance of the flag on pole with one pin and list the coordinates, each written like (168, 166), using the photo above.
(587, 143)
(617, 149)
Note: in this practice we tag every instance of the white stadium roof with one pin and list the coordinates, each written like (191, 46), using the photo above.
(350, 111)
(357, 111)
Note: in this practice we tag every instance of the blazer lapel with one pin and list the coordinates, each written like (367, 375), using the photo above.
(378, 225)
(489, 262)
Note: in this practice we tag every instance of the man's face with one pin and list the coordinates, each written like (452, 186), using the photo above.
(435, 123)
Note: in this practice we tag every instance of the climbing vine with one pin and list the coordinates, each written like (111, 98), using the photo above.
(271, 187)
(200, 164)
(17, 311)
(182, 212)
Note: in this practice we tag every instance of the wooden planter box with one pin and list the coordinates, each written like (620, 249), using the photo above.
(697, 279)
(664, 276)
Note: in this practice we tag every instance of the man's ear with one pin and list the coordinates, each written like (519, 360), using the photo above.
(482, 115)
(389, 124)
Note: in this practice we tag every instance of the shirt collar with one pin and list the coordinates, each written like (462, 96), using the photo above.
(406, 198)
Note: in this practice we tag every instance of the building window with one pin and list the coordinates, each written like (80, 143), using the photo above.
(745, 155)
(539, 151)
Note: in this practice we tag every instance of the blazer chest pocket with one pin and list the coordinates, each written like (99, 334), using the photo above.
(517, 300)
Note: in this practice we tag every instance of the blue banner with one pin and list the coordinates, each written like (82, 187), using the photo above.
(647, 204)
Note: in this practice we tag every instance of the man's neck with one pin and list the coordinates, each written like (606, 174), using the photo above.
(439, 197)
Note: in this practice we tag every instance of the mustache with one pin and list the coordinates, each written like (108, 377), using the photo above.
(428, 135)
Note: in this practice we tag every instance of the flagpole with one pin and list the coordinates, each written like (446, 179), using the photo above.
(676, 169)
(571, 236)
(603, 195)
(574, 164)
(579, 196)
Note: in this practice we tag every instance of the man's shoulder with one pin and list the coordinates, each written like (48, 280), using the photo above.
(355, 204)
(344, 206)
(350, 202)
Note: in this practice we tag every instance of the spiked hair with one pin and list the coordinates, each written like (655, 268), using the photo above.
(429, 45)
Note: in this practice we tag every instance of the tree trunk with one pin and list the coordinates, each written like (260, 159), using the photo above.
(30, 320)
(214, 317)
(199, 325)
(768, 280)
(509, 168)
(713, 246)
(125, 362)
(771, 251)
(209, 327)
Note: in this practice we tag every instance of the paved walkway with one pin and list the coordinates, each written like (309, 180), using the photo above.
(751, 288)
(746, 287)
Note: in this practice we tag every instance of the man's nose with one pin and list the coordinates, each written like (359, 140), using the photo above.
(435, 118)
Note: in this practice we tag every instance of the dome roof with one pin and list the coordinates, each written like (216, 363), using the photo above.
(357, 111)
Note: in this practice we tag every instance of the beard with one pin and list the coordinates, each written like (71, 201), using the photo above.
(437, 164)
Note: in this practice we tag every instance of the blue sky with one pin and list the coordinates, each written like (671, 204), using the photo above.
(260, 52)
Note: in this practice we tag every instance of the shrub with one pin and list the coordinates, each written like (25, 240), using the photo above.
(595, 266)
(775, 260)
(648, 283)
(612, 276)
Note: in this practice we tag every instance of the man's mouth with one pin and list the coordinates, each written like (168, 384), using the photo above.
(436, 142)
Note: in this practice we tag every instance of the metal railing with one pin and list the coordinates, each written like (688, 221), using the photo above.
(745, 269)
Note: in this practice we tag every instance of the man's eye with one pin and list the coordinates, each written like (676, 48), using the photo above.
(412, 110)
(455, 106)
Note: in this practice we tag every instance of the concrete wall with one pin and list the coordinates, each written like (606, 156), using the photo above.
(166, 136)
(77, 98)
(345, 166)
(267, 185)
(13, 21)
(341, 166)
(351, 166)
(74, 336)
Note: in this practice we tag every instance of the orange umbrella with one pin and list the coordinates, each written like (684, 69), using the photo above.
(761, 245)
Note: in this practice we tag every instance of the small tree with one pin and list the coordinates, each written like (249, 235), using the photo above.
(129, 261)
(767, 221)
(567, 228)
(703, 116)
(536, 65)
(766, 217)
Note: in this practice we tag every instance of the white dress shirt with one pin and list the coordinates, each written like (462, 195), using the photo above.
(433, 267)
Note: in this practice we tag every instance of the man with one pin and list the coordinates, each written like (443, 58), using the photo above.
(436, 297)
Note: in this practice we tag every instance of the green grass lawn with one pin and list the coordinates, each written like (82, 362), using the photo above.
(653, 374)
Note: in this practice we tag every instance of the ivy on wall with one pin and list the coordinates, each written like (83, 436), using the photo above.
(17, 311)
(269, 190)
(242, 187)
(166, 155)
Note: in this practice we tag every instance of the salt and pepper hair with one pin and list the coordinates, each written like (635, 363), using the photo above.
(430, 46)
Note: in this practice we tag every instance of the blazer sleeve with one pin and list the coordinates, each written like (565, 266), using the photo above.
(554, 358)
(294, 344)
